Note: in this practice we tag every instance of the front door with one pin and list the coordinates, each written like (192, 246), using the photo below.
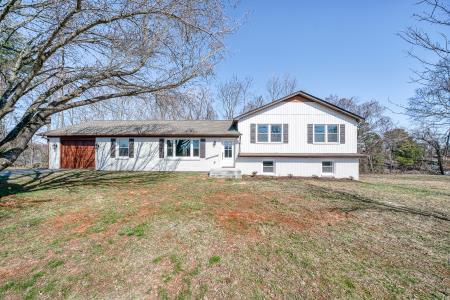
(228, 154)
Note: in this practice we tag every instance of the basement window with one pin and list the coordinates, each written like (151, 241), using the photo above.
(327, 167)
(268, 167)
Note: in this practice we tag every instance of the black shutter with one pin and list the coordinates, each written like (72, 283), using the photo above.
(131, 148)
(202, 148)
(161, 148)
(252, 133)
(112, 151)
(310, 133)
(342, 133)
(285, 133)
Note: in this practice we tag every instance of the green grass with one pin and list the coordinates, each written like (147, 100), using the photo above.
(84, 234)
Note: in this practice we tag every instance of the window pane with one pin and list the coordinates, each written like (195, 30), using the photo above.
(196, 148)
(123, 151)
(319, 138)
(319, 128)
(183, 148)
(123, 143)
(263, 128)
(332, 129)
(169, 148)
(332, 138)
(275, 133)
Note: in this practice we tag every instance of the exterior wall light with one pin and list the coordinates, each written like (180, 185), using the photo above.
(55, 146)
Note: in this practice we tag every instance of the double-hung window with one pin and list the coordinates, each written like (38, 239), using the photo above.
(327, 167)
(263, 133)
(275, 133)
(268, 167)
(332, 133)
(269, 133)
(123, 147)
(183, 148)
(326, 133)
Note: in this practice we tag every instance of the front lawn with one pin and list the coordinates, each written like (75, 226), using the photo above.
(85, 234)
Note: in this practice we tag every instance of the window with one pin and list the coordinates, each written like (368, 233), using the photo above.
(183, 148)
(332, 133)
(275, 130)
(319, 133)
(268, 167)
(263, 133)
(327, 167)
(326, 133)
(123, 147)
(275, 133)
(196, 148)
(169, 148)
(228, 149)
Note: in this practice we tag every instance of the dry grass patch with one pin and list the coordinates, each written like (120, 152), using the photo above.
(160, 235)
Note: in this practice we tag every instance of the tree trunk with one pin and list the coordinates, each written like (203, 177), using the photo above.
(440, 160)
(17, 141)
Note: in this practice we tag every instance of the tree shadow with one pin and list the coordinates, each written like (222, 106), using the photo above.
(360, 203)
(73, 179)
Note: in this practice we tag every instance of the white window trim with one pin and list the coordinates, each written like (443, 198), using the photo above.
(326, 135)
(262, 164)
(191, 157)
(328, 173)
(118, 156)
(269, 133)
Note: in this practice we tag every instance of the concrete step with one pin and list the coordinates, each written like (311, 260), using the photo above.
(225, 173)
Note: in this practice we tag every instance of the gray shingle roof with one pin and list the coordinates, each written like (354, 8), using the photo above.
(149, 128)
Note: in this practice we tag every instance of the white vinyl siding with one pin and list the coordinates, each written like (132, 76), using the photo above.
(146, 156)
(304, 167)
(298, 115)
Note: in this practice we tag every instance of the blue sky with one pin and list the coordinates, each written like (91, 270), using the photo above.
(348, 48)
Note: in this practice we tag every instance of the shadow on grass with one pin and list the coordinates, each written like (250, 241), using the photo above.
(73, 179)
(368, 203)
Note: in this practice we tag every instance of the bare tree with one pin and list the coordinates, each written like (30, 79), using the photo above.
(255, 103)
(278, 87)
(438, 141)
(431, 103)
(233, 95)
(430, 107)
(111, 50)
(371, 130)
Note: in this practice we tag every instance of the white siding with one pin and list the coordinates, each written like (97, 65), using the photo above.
(343, 167)
(298, 114)
(146, 157)
(54, 150)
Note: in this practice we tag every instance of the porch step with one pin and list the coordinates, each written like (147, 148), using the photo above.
(226, 173)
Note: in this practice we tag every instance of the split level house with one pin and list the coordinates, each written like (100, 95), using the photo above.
(298, 135)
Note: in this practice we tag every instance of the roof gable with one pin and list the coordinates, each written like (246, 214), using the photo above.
(300, 96)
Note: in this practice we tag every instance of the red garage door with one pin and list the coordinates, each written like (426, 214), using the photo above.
(78, 153)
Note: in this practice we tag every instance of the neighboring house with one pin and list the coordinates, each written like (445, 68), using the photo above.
(298, 135)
